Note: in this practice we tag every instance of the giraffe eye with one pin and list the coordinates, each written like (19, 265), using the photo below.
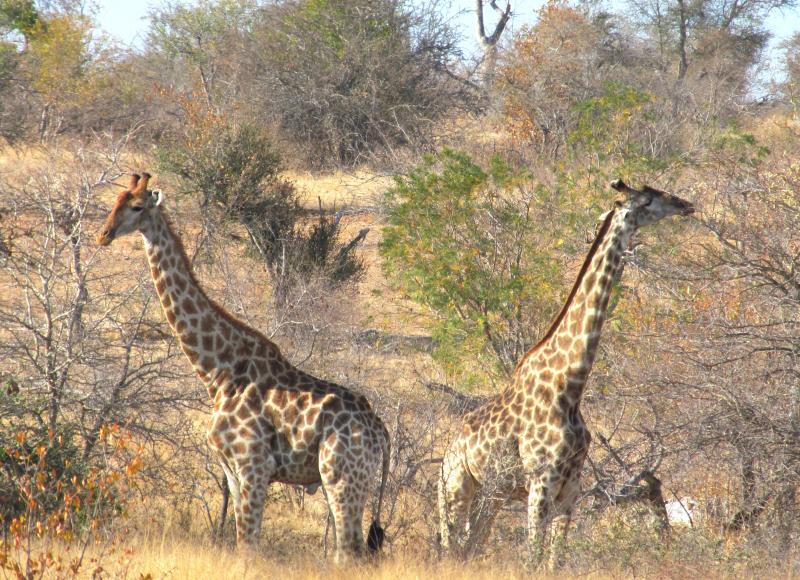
(137, 207)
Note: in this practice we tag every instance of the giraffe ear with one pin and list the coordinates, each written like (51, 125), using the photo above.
(134, 180)
(156, 197)
(142, 183)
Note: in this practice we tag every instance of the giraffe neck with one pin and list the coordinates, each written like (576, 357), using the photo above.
(213, 341)
(570, 346)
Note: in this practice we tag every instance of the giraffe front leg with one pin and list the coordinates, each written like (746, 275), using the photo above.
(482, 514)
(566, 506)
(558, 541)
(539, 514)
(456, 491)
(253, 480)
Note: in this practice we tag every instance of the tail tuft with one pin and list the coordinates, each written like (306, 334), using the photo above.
(375, 538)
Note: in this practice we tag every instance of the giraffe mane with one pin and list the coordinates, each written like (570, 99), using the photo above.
(601, 234)
(235, 322)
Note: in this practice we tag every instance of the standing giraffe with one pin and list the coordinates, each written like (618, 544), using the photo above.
(531, 440)
(271, 422)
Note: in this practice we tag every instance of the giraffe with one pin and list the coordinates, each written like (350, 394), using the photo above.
(271, 422)
(530, 441)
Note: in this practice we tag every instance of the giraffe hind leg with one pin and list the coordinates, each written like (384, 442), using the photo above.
(346, 500)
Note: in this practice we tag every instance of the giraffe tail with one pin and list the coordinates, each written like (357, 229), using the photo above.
(376, 533)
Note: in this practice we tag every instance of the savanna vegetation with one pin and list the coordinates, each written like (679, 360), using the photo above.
(402, 208)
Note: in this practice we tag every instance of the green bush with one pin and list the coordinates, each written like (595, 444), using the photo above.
(465, 242)
(228, 166)
(235, 171)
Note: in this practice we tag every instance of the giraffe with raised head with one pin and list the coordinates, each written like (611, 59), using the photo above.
(530, 441)
(271, 422)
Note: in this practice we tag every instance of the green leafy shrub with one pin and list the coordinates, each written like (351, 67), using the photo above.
(467, 243)
(52, 494)
(236, 172)
(229, 166)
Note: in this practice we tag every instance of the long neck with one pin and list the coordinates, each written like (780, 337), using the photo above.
(569, 347)
(211, 340)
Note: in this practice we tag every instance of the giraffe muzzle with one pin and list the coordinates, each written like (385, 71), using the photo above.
(685, 207)
(105, 237)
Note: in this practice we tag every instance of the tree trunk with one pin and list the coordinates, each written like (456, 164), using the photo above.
(683, 62)
(683, 59)
(489, 42)
(786, 503)
(44, 122)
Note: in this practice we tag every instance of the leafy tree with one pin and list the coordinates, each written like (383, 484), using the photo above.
(346, 81)
(790, 87)
(77, 79)
(623, 131)
(561, 61)
(201, 44)
(226, 163)
(19, 15)
(691, 34)
(59, 55)
(577, 90)
(11, 119)
(18, 18)
(463, 241)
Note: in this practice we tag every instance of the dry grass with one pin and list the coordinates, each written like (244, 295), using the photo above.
(171, 555)
(179, 560)
(357, 189)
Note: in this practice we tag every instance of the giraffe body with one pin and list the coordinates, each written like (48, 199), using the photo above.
(271, 422)
(531, 441)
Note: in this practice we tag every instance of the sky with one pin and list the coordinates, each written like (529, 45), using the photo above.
(126, 20)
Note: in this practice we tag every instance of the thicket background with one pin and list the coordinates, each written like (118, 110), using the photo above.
(402, 208)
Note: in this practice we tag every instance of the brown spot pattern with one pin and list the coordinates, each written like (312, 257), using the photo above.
(299, 430)
(536, 425)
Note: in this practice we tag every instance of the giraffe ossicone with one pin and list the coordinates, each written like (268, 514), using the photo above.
(530, 442)
(271, 422)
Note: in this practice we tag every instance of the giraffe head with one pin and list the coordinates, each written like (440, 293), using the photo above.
(647, 205)
(131, 210)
